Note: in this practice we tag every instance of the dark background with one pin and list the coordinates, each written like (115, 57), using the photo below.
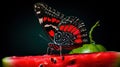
(20, 28)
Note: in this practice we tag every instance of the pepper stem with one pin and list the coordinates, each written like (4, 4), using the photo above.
(91, 30)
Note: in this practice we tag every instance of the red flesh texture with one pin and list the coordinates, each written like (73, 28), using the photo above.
(98, 59)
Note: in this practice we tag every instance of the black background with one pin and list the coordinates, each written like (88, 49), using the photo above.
(20, 28)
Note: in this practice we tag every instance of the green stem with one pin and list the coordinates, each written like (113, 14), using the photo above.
(91, 30)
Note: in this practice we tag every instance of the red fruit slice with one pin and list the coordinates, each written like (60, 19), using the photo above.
(98, 59)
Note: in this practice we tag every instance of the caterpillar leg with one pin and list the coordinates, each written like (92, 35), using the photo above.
(60, 50)
(54, 47)
(49, 50)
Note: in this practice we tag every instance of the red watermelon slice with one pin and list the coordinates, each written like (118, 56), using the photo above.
(96, 59)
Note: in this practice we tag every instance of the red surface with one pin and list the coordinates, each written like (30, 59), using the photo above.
(99, 59)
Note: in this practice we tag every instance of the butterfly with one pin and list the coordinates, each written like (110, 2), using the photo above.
(66, 32)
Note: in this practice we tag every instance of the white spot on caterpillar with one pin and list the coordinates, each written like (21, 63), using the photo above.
(85, 40)
(38, 12)
(84, 35)
(40, 20)
(35, 6)
(48, 25)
